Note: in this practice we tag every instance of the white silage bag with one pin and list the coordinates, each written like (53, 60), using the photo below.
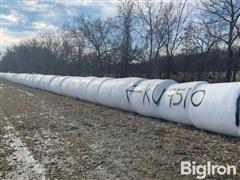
(19, 78)
(14, 78)
(81, 92)
(27, 79)
(60, 82)
(64, 85)
(92, 90)
(215, 107)
(45, 82)
(105, 92)
(31, 81)
(24, 78)
(175, 102)
(37, 81)
(212, 107)
(122, 91)
(73, 86)
(11, 76)
(6, 76)
(56, 83)
(146, 96)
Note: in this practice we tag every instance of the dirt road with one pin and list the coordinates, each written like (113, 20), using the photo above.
(47, 136)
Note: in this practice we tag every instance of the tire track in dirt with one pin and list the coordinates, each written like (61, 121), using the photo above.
(25, 166)
(43, 141)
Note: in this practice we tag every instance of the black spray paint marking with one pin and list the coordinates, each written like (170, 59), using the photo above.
(200, 102)
(146, 94)
(171, 96)
(185, 100)
(131, 90)
(157, 102)
(178, 93)
(237, 112)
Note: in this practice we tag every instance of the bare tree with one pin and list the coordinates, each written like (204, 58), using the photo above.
(150, 13)
(175, 17)
(237, 26)
(225, 15)
(126, 26)
(49, 40)
(201, 37)
(189, 45)
(96, 32)
(71, 34)
(203, 43)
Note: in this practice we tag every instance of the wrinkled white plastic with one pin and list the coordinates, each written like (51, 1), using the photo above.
(213, 107)
(122, 90)
(105, 92)
(46, 81)
(145, 98)
(92, 89)
(81, 88)
(64, 86)
(37, 81)
(56, 83)
(174, 105)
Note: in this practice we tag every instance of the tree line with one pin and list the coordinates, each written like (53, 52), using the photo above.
(155, 39)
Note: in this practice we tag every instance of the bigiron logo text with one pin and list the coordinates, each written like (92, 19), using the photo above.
(201, 171)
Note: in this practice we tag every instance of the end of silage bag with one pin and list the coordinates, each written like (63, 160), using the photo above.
(216, 108)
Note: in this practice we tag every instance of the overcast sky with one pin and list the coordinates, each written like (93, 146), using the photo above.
(22, 19)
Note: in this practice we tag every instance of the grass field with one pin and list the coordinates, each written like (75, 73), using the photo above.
(46, 136)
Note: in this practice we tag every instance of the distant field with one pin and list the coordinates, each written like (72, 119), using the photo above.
(44, 135)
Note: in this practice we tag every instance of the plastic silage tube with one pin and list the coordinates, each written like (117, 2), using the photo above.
(92, 89)
(56, 83)
(13, 77)
(63, 89)
(31, 82)
(72, 86)
(216, 108)
(82, 94)
(60, 82)
(105, 92)
(28, 79)
(45, 82)
(37, 81)
(175, 102)
(146, 96)
(122, 91)
(24, 79)
(212, 107)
